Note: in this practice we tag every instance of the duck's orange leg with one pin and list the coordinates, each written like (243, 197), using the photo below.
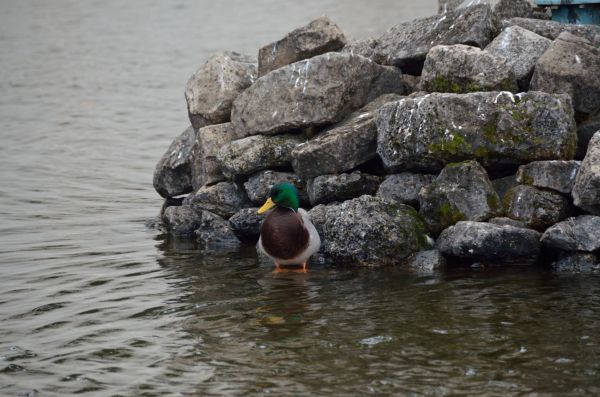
(277, 268)
(304, 267)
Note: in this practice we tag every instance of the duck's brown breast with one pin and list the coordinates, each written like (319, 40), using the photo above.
(283, 234)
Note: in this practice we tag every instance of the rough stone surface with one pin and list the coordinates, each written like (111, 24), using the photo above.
(404, 188)
(344, 145)
(571, 65)
(365, 48)
(502, 8)
(586, 192)
(490, 243)
(496, 128)
(318, 216)
(504, 184)
(521, 48)
(255, 153)
(448, 5)
(181, 220)
(553, 174)
(327, 188)
(577, 262)
(427, 261)
(551, 29)
(321, 35)
(259, 185)
(223, 199)
(173, 173)
(214, 232)
(537, 208)
(211, 90)
(246, 223)
(574, 234)
(461, 192)
(503, 221)
(406, 45)
(460, 68)
(585, 130)
(314, 92)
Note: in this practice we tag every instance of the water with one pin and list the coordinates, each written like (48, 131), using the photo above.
(93, 302)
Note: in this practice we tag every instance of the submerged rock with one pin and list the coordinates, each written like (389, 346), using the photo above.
(460, 68)
(214, 232)
(211, 90)
(461, 192)
(246, 223)
(552, 29)
(223, 199)
(586, 192)
(181, 220)
(314, 92)
(577, 262)
(259, 184)
(321, 35)
(537, 208)
(554, 174)
(404, 188)
(173, 173)
(574, 234)
(328, 188)
(427, 261)
(496, 128)
(490, 243)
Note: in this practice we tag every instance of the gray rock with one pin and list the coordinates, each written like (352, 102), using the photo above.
(460, 68)
(343, 146)
(318, 216)
(211, 90)
(214, 232)
(570, 65)
(314, 92)
(586, 192)
(551, 29)
(255, 153)
(327, 188)
(318, 37)
(553, 174)
(503, 221)
(585, 130)
(427, 261)
(365, 48)
(577, 262)
(404, 188)
(223, 199)
(504, 184)
(259, 184)
(537, 208)
(502, 8)
(496, 128)
(490, 243)
(181, 220)
(173, 173)
(461, 192)
(370, 231)
(574, 234)
(521, 48)
(406, 45)
(246, 223)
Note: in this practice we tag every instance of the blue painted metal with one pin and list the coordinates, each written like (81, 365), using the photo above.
(580, 12)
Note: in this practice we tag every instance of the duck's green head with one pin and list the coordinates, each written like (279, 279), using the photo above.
(281, 195)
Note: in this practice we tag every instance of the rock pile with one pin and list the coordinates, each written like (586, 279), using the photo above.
(479, 127)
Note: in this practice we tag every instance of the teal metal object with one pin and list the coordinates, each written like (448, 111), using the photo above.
(581, 12)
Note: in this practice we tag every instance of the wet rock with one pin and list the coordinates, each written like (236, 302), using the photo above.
(551, 29)
(255, 153)
(406, 45)
(314, 92)
(496, 128)
(246, 223)
(318, 37)
(404, 188)
(586, 192)
(574, 234)
(503, 221)
(504, 184)
(490, 243)
(502, 8)
(328, 188)
(577, 262)
(461, 192)
(537, 208)
(370, 231)
(214, 232)
(173, 173)
(259, 185)
(570, 65)
(521, 48)
(427, 261)
(554, 174)
(181, 220)
(344, 145)
(585, 130)
(211, 90)
(223, 199)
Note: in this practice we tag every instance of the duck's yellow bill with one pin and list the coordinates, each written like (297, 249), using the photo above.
(266, 206)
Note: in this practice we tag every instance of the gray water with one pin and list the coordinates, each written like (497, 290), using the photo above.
(94, 302)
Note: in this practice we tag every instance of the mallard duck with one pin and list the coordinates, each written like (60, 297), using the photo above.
(287, 235)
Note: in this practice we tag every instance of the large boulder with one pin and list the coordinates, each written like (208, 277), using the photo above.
(259, 185)
(406, 45)
(521, 48)
(574, 234)
(496, 128)
(502, 8)
(327, 188)
(223, 199)
(552, 29)
(537, 208)
(314, 92)
(246, 223)
(404, 188)
(343, 146)
(255, 153)
(364, 47)
(318, 37)
(173, 173)
(211, 90)
(490, 243)
(461, 68)
(461, 192)
(215, 233)
(571, 65)
(181, 220)
(586, 192)
(553, 174)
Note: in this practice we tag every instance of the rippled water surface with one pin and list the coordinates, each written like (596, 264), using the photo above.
(94, 302)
